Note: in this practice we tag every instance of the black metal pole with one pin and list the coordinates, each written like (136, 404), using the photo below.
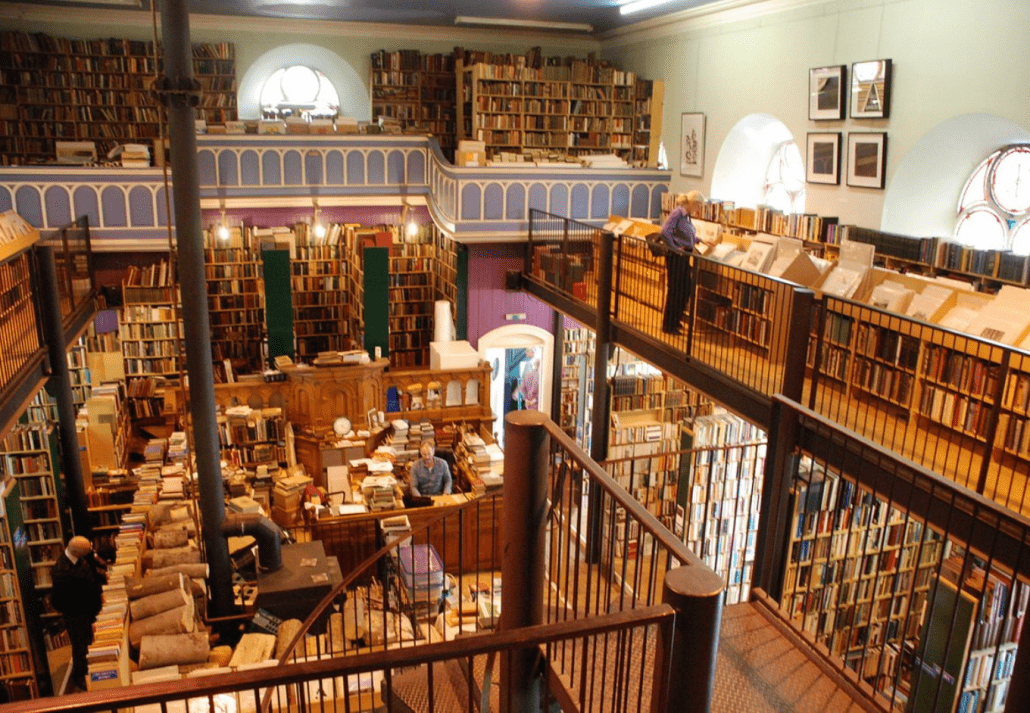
(523, 528)
(602, 403)
(183, 92)
(557, 364)
(61, 389)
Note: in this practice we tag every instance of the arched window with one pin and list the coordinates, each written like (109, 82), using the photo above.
(299, 91)
(785, 180)
(994, 206)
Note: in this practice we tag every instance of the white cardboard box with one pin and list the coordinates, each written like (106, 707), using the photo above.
(452, 355)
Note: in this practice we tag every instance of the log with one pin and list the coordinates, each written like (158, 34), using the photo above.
(355, 621)
(177, 649)
(253, 648)
(156, 603)
(220, 656)
(167, 538)
(166, 558)
(138, 587)
(287, 630)
(173, 621)
(194, 570)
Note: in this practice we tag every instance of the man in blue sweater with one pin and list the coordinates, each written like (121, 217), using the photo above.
(430, 475)
(678, 231)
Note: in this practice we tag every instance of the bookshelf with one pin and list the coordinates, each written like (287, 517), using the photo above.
(721, 497)
(28, 456)
(648, 104)
(78, 372)
(236, 302)
(321, 300)
(859, 574)
(577, 385)
(557, 107)
(19, 334)
(58, 89)
(150, 330)
(644, 458)
(107, 427)
(16, 660)
(253, 437)
(740, 308)
(418, 92)
(412, 293)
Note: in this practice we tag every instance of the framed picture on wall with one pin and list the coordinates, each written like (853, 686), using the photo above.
(826, 92)
(823, 164)
(867, 159)
(871, 89)
(692, 144)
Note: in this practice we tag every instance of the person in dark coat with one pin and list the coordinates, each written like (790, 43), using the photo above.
(77, 593)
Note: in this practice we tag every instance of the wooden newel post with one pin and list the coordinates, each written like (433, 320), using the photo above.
(698, 595)
(526, 452)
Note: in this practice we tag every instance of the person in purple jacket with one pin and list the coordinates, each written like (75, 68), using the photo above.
(678, 231)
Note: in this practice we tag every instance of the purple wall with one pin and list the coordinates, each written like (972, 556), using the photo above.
(489, 301)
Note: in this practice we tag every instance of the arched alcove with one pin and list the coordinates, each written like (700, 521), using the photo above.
(740, 169)
(919, 206)
(349, 84)
(517, 336)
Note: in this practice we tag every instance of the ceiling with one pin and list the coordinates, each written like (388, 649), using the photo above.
(601, 15)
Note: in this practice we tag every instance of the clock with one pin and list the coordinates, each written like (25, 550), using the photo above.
(341, 426)
(1010, 180)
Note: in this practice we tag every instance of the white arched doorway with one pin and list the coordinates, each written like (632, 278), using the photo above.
(505, 349)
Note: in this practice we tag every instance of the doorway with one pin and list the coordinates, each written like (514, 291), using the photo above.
(509, 350)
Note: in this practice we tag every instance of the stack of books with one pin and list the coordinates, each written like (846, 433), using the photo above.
(378, 492)
(396, 528)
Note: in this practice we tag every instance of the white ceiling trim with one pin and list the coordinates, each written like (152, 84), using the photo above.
(139, 18)
(722, 12)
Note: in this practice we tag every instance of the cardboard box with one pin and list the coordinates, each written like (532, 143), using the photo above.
(271, 126)
(285, 518)
(322, 126)
(452, 355)
(469, 159)
(296, 125)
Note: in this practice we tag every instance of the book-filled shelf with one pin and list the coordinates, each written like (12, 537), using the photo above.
(95, 90)
(823, 235)
(719, 498)
(150, 331)
(321, 300)
(416, 91)
(555, 108)
(16, 661)
(236, 301)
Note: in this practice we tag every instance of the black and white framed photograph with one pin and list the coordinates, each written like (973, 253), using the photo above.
(823, 165)
(692, 144)
(826, 92)
(871, 89)
(867, 159)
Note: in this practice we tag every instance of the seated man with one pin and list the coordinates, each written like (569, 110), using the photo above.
(430, 475)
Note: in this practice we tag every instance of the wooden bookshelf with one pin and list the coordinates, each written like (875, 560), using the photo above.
(561, 109)
(16, 660)
(150, 331)
(321, 298)
(253, 437)
(19, 333)
(58, 89)
(577, 385)
(236, 302)
(721, 497)
(648, 104)
(418, 92)
(78, 372)
(859, 573)
(643, 458)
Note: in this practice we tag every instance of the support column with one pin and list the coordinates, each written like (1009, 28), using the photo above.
(182, 91)
(61, 389)
(602, 403)
(524, 522)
